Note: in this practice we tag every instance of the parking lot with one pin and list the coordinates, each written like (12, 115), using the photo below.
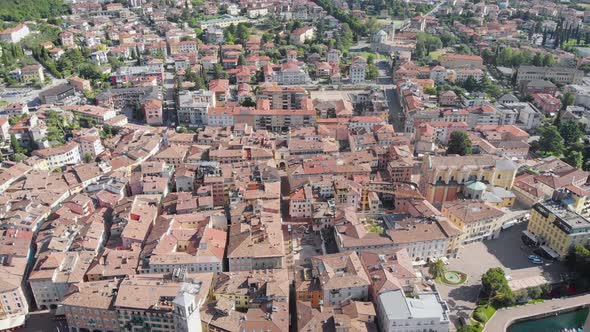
(475, 259)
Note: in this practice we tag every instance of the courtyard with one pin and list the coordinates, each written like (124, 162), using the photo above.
(507, 252)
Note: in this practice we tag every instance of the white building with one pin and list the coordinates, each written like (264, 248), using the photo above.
(15, 34)
(193, 106)
(300, 203)
(53, 275)
(290, 73)
(223, 22)
(342, 277)
(464, 73)
(220, 118)
(59, 156)
(397, 313)
(357, 70)
(187, 306)
(91, 145)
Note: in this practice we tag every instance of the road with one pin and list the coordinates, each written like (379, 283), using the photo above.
(504, 317)
(169, 102)
(432, 11)
(396, 115)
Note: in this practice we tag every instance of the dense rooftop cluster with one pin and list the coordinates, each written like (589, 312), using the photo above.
(283, 165)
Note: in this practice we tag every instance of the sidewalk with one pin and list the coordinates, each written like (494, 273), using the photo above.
(504, 317)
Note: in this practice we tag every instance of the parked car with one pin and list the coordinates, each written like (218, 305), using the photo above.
(532, 257)
(537, 261)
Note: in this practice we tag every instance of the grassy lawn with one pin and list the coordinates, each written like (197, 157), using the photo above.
(436, 54)
(483, 313)
(366, 54)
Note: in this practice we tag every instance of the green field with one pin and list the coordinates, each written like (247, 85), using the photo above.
(436, 54)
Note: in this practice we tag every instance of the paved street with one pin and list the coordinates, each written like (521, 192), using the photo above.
(43, 321)
(396, 116)
(476, 258)
(503, 318)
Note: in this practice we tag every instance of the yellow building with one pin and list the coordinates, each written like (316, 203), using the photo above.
(578, 199)
(556, 228)
(477, 220)
(444, 177)
(247, 289)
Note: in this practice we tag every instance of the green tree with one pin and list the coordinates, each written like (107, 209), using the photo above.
(480, 315)
(229, 38)
(437, 269)
(470, 84)
(538, 59)
(248, 102)
(546, 288)
(372, 72)
(138, 113)
(551, 142)
(494, 282)
(469, 328)
(571, 132)
(574, 158)
(88, 158)
(535, 292)
(459, 143)
(23, 10)
(505, 299)
(243, 32)
(567, 99)
(218, 71)
(430, 90)
(15, 145)
(18, 157)
(428, 42)
(548, 60)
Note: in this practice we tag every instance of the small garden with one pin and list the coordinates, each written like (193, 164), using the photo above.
(497, 294)
(373, 226)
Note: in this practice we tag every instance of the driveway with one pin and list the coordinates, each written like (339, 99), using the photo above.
(475, 259)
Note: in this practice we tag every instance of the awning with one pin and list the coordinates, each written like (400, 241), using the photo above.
(530, 236)
(419, 263)
(550, 252)
(12, 322)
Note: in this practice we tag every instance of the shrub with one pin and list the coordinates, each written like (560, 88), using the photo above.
(480, 316)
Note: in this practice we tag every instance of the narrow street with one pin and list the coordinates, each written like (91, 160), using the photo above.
(169, 101)
(396, 115)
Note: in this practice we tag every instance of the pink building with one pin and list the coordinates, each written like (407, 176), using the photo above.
(153, 112)
(546, 103)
